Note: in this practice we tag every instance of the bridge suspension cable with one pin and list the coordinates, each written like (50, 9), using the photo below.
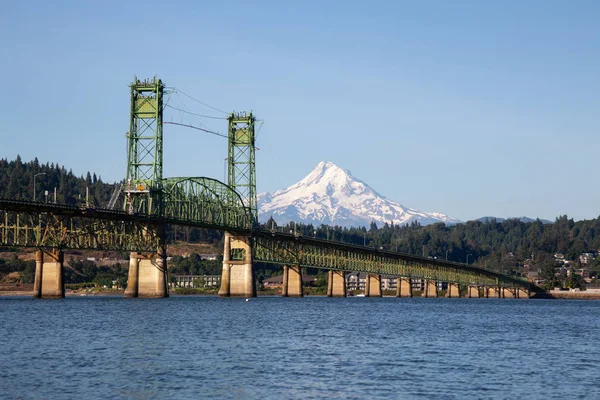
(193, 113)
(196, 100)
(201, 129)
(195, 127)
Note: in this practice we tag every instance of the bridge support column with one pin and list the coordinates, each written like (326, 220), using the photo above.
(430, 289)
(492, 292)
(336, 286)
(147, 275)
(292, 281)
(509, 293)
(473, 292)
(237, 278)
(373, 286)
(453, 290)
(132, 276)
(403, 287)
(523, 293)
(48, 282)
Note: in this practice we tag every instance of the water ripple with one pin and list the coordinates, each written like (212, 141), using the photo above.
(312, 348)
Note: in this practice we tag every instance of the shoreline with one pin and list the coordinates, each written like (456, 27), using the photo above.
(562, 295)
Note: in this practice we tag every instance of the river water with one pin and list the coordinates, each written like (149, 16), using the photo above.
(316, 347)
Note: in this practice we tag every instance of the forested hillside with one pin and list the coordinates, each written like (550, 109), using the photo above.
(17, 179)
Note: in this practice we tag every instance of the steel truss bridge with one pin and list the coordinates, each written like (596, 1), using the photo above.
(149, 202)
(34, 224)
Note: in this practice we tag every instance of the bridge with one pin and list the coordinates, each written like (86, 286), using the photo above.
(137, 215)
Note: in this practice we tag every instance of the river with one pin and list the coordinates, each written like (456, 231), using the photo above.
(310, 348)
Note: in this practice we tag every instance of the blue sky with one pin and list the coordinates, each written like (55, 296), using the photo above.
(468, 108)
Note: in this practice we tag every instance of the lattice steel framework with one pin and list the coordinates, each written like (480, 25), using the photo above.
(189, 200)
(77, 230)
(143, 188)
(241, 160)
(286, 249)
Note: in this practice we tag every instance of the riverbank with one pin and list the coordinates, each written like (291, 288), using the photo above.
(27, 291)
(575, 295)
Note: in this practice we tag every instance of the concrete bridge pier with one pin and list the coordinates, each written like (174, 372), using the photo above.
(430, 289)
(403, 287)
(48, 282)
(373, 286)
(453, 290)
(147, 275)
(473, 292)
(336, 284)
(292, 281)
(237, 278)
(523, 293)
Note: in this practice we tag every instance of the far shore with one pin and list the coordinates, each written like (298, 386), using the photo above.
(553, 294)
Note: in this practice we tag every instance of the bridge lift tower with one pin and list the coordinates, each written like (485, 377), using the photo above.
(144, 186)
(144, 179)
(241, 160)
(237, 278)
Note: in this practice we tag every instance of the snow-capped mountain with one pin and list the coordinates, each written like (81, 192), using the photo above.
(331, 195)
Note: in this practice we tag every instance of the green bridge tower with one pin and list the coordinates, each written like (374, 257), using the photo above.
(237, 278)
(241, 160)
(144, 193)
(144, 179)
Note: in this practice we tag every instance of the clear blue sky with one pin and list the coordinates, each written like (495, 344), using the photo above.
(469, 108)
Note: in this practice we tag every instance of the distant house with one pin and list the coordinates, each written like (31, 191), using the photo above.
(358, 281)
(586, 258)
(273, 282)
(559, 258)
(194, 281)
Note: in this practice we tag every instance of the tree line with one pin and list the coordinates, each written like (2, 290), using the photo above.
(17, 179)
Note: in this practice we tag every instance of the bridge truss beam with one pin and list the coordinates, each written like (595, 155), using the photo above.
(75, 231)
(283, 249)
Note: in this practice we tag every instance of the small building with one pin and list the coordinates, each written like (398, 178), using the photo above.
(194, 281)
(586, 258)
(273, 282)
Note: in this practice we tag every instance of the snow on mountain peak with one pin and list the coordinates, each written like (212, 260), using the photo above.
(331, 195)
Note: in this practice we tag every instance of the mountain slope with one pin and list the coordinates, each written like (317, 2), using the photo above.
(331, 195)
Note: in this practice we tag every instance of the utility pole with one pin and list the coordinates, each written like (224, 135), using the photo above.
(36, 175)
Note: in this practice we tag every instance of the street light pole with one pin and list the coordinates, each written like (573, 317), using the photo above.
(41, 173)
(468, 258)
